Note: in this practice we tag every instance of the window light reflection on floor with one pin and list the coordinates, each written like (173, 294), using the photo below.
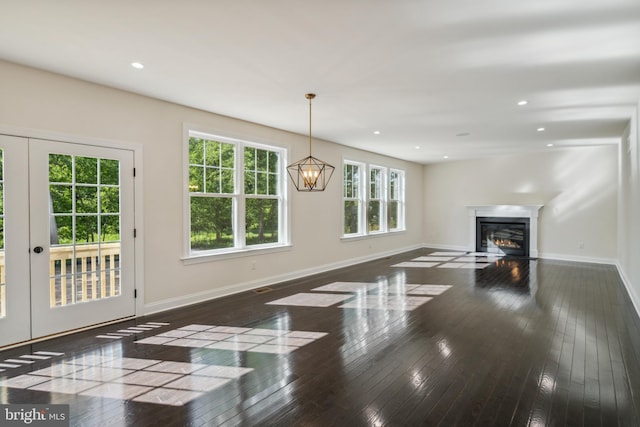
(141, 380)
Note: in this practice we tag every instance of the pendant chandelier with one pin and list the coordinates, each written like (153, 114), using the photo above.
(310, 173)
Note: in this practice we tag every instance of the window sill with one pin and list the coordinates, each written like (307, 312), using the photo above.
(236, 253)
(355, 237)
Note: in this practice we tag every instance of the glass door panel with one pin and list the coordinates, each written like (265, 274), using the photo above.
(85, 227)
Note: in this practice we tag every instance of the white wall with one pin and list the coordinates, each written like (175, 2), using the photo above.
(577, 186)
(34, 99)
(629, 209)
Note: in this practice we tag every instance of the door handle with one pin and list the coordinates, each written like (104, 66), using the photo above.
(38, 249)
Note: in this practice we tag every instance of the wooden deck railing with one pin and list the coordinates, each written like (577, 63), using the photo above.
(97, 274)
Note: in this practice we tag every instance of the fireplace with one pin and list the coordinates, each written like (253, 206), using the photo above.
(509, 224)
(503, 235)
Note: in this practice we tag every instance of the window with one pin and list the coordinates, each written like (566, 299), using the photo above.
(352, 198)
(212, 171)
(262, 203)
(236, 197)
(375, 207)
(395, 209)
(382, 204)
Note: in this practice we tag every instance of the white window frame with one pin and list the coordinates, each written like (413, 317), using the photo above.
(364, 197)
(400, 200)
(239, 197)
(382, 198)
(358, 196)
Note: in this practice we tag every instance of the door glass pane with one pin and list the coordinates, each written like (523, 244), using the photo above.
(109, 200)
(109, 172)
(3, 292)
(86, 170)
(61, 198)
(109, 229)
(86, 199)
(84, 228)
(61, 230)
(60, 168)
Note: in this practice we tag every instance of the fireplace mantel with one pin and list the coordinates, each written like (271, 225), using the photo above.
(506, 211)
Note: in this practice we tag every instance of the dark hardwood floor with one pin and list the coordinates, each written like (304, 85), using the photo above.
(520, 342)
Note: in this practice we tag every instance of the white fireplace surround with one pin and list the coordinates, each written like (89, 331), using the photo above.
(506, 211)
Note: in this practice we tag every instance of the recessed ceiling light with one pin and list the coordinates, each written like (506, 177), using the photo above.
(376, 132)
(137, 65)
(417, 147)
(540, 129)
(523, 102)
(549, 145)
(445, 157)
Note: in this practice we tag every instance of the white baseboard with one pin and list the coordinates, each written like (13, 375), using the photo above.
(182, 301)
(635, 299)
(559, 257)
(577, 258)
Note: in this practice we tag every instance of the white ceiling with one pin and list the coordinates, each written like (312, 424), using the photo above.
(419, 71)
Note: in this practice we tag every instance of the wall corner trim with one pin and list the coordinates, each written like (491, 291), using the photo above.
(635, 299)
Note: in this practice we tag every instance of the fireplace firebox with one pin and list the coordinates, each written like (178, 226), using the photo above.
(505, 212)
(506, 235)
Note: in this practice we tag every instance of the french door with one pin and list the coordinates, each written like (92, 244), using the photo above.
(66, 240)
(15, 309)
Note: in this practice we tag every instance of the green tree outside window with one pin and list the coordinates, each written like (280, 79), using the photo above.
(215, 195)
